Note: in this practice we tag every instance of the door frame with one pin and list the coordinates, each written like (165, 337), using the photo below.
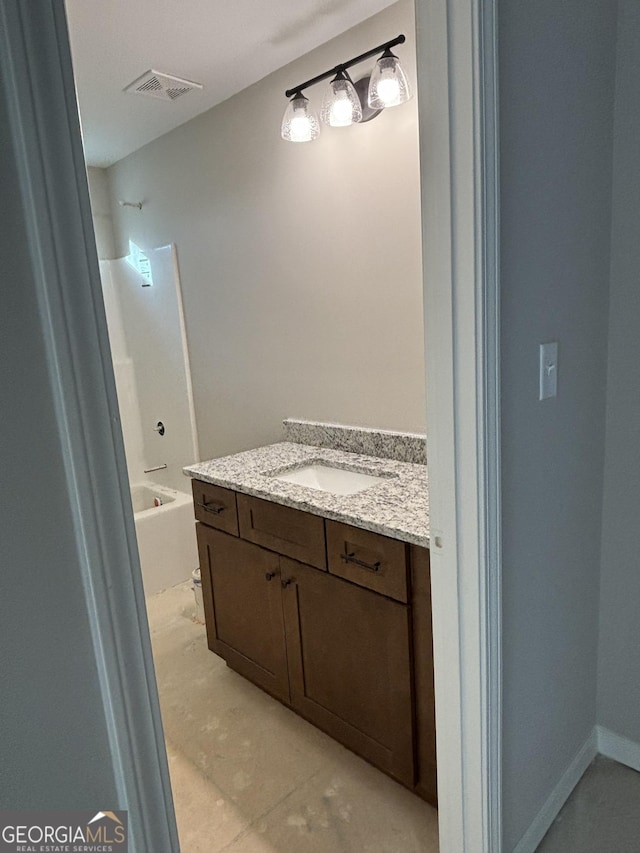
(36, 67)
(458, 99)
(457, 69)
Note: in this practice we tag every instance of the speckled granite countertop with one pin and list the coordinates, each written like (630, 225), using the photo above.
(398, 506)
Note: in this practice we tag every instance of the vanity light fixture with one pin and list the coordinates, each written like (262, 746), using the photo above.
(344, 102)
(341, 105)
(388, 85)
(299, 123)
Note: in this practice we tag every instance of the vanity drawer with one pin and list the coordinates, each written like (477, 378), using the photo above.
(287, 531)
(368, 559)
(215, 506)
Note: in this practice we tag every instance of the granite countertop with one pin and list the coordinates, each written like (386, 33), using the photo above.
(397, 506)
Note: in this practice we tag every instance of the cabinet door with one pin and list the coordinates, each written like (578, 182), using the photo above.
(349, 665)
(243, 608)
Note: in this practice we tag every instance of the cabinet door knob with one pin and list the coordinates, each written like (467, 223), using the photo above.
(286, 583)
(270, 575)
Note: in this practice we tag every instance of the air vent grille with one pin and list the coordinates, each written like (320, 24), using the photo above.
(155, 84)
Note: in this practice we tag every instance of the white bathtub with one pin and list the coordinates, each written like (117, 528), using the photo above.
(166, 535)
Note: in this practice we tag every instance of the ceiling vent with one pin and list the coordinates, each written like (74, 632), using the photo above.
(155, 84)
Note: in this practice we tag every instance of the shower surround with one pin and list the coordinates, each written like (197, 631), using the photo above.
(153, 382)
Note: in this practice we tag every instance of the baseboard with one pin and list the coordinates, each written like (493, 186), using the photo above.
(560, 794)
(619, 748)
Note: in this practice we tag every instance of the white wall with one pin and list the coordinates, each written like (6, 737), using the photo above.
(619, 657)
(300, 264)
(556, 98)
(101, 210)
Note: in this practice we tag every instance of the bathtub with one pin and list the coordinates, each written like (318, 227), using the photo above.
(166, 535)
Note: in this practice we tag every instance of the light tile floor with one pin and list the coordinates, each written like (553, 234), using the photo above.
(250, 776)
(602, 815)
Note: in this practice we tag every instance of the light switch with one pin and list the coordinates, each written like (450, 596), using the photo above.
(548, 370)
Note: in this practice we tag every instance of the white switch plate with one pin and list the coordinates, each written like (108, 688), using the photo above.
(548, 370)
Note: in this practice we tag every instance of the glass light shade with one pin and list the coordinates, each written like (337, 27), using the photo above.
(341, 105)
(388, 86)
(299, 123)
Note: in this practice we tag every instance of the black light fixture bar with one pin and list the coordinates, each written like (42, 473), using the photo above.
(344, 65)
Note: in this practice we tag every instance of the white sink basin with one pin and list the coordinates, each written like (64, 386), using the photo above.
(338, 481)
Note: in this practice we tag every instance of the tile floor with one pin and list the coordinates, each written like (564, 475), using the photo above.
(601, 816)
(250, 776)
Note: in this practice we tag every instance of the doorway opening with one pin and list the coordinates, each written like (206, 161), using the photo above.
(356, 338)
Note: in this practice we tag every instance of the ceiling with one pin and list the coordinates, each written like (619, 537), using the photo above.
(225, 44)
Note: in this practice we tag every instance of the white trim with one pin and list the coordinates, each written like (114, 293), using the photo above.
(601, 740)
(489, 378)
(457, 88)
(619, 748)
(195, 445)
(43, 121)
(559, 796)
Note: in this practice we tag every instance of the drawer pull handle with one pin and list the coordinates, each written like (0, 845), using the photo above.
(216, 509)
(286, 583)
(270, 575)
(351, 558)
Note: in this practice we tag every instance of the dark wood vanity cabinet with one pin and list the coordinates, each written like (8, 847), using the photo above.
(345, 641)
(243, 608)
(349, 665)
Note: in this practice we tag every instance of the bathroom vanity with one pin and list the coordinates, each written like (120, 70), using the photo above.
(331, 618)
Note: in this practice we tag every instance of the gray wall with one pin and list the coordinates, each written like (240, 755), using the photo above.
(556, 99)
(101, 210)
(619, 658)
(55, 752)
(300, 263)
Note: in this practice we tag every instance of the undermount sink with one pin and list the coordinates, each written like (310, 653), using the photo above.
(326, 478)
